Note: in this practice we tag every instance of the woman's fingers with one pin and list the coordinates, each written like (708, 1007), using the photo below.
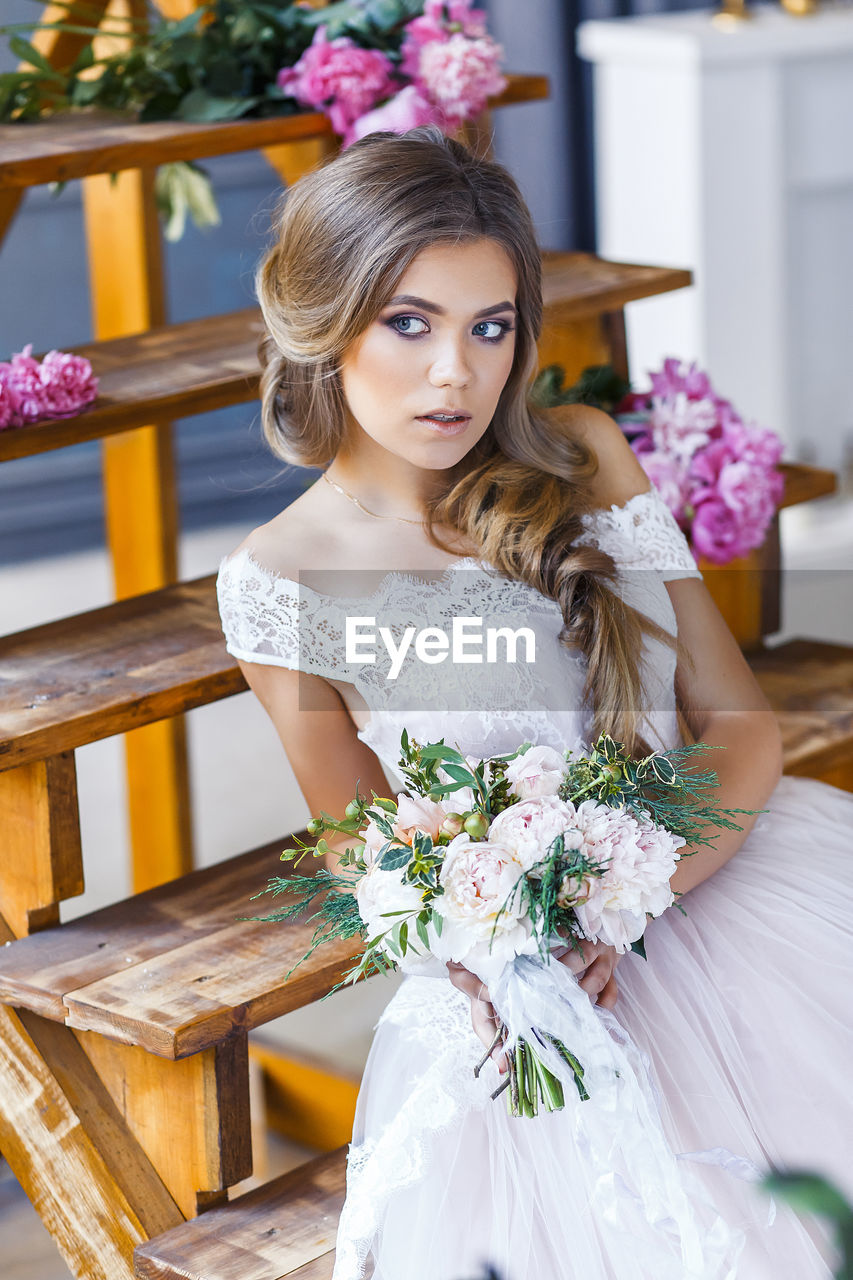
(609, 994)
(484, 1020)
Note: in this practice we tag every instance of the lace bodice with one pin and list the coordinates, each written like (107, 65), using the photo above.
(485, 707)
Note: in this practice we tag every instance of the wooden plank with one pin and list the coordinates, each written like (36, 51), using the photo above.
(10, 201)
(267, 1234)
(167, 372)
(191, 1118)
(81, 1170)
(307, 1101)
(809, 684)
(100, 673)
(580, 284)
(803, 483)
(150, 972)
(77, 146)
(42, 861)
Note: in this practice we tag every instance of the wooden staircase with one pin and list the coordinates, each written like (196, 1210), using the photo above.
(124, 1076)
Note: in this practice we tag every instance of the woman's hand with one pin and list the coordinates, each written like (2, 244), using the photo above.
(594, 960)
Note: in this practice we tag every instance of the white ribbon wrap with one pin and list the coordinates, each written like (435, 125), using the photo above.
(640, 1190)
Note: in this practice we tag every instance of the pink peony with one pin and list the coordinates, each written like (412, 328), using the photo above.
(8, 401)
(339, 77)
(539, 772)
(669, 477)
(530, 827)
(459, 75)
(24, 383)
(717, 532)
(433, 24)
(676, 378)
(680, 426)
(68, 383)
(406, 110)
(640, 859)
(418, 814)
(485, 920)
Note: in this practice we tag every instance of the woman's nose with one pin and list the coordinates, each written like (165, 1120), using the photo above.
(450, 367)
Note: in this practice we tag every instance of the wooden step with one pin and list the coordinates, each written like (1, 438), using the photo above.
(179, 370)
(176, 969)
(78, 145)
(170, 372)
(284, 1229)
(110, 670)
(809, 684)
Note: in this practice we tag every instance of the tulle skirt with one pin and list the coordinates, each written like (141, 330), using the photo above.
(741, 1020)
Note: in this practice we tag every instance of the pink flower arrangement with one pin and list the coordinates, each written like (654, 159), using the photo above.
(446, 70)
(58, 386)
(716, 473)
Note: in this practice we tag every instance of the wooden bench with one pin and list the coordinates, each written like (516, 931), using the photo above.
(284, 1229)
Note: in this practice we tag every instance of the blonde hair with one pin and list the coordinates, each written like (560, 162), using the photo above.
(346, 233)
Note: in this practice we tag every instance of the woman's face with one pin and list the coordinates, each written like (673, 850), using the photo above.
(443, 345)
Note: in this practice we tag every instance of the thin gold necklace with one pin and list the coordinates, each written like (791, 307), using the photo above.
(353, 499)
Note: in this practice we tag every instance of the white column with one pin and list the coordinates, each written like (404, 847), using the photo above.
(731, 152)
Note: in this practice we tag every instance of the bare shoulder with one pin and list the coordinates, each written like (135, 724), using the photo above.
(298, 538)
(619, 475)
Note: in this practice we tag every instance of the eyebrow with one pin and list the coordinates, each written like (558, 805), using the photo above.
(412, 301)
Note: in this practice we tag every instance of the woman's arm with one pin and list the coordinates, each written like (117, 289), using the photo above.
(723, 706)
(716, 691)
(319, 737)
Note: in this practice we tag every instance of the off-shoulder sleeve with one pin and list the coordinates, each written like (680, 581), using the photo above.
(642, 534)
(270, 619)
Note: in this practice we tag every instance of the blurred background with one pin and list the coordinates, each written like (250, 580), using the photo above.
(672, 141)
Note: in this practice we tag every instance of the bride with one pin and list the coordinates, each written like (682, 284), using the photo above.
(402, 301)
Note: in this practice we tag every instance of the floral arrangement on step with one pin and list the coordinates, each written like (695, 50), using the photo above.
(368, 64)
(717, 473)
(57, 386)
(495, 863)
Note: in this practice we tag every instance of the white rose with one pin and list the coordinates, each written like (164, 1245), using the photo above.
(539, 772)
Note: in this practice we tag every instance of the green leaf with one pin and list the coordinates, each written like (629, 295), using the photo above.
(423, 934)
(461, 774)
(809, 1193)
(29, 53)
(404, 936)
(640, 947)
(200, 107)
(394, 858)
(437, 923)
(437, 751)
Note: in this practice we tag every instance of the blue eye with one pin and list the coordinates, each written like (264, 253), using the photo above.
(407, 325)
(502, 327)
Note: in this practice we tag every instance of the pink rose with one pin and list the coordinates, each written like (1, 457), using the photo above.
(406, 110)
(539, 772)
(418, 814)
(459, 75)
(68, 383)
(339, 77)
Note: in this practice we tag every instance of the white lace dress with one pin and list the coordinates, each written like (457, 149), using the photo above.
(741, 1011)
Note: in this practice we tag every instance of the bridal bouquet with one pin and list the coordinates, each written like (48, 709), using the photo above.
(495, 863)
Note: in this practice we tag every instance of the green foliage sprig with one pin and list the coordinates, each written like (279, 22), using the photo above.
(220, 62)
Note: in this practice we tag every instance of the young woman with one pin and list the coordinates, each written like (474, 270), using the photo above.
(402, 300)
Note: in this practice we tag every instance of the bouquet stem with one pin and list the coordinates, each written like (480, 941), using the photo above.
(528, 1081)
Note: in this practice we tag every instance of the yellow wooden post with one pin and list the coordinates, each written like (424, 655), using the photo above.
(126, 275)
